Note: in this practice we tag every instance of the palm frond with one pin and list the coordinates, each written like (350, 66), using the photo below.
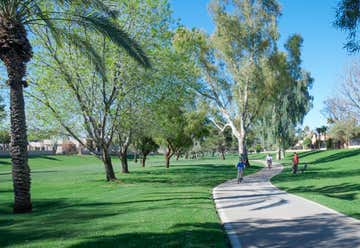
(107, 7)
(45, 17)
(119, 37)
(84, 46)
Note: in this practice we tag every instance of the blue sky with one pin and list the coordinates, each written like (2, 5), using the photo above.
(323, 53)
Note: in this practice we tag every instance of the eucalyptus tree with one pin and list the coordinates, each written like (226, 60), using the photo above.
(17, 18)
(347, 19)
(234, 61)
(290, 99)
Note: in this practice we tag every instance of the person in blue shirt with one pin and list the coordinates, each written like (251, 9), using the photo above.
(240, 168)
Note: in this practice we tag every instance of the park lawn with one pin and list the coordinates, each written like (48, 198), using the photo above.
(332, 179)
(73, 206)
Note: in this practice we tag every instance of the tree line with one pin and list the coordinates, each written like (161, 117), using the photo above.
(125, 72)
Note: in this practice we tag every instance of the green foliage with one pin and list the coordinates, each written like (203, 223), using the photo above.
(179, 129)
(146, 145)
(217, 141)
(258, 148)
(4, 136)
(307, 143)
(234, 62)
(291, 99)
(347, 19)
(343, 130)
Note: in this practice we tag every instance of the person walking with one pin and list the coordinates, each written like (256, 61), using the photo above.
(295, 163)
(240, 169)
(269, 160)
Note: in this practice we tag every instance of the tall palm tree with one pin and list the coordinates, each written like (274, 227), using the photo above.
(17, 17)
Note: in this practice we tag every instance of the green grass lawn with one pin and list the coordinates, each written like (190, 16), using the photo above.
(332, 179)
(73, 206)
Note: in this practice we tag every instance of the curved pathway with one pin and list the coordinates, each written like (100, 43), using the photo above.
(257, 214)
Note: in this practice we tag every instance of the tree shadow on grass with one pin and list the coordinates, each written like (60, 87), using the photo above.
(337, 156)
(5, 191)
(343, 191)
(32, 172)
(60, 218)
(202, 235)
(308, 153)
(2, 162)
(46, 157)
(50, 219)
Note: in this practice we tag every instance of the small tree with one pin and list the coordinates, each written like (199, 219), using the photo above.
(343, 130)
(145, 145)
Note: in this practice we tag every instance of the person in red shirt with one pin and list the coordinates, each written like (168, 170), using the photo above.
(295, 163)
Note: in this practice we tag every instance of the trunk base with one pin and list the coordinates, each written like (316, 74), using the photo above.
(23, 209)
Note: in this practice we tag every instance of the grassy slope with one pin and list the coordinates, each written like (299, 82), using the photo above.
(151, 207)
(332, 179)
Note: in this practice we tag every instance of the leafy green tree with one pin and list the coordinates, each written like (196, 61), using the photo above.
(16, 18)
(343, 130)
(234, 62)
(145, 145)
(172, 133)
(140, 88)
(347, 19)
(291, 99)
(245, 37)
(217, 141)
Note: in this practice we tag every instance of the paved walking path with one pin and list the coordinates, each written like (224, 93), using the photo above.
(257, 214)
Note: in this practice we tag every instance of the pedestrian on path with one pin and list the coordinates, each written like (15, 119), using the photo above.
(269, 160)
(240, 169)
(295, 163)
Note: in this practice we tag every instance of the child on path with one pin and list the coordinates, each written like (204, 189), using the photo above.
(240, 169)
(269, 160)
(295, 163)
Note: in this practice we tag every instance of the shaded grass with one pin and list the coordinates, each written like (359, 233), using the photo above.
(332, 179)
(73, 206)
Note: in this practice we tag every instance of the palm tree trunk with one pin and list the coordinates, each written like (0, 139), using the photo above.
(18, 150)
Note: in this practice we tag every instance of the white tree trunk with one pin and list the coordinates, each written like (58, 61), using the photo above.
(241, 146)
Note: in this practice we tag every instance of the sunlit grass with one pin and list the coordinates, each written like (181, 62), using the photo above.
(73, 206)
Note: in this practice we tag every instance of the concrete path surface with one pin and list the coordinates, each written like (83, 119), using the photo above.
(257, 214)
